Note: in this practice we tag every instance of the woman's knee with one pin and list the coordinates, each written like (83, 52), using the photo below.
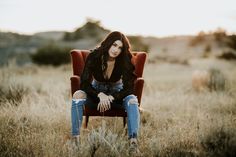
(79, 94)
(131, 100)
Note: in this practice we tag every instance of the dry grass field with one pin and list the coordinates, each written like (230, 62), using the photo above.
(176, 121)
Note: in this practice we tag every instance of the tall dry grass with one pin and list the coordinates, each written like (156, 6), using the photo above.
(176, 121)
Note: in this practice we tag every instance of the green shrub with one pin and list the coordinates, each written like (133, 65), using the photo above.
(207, 51)
(92, 29)
(217, 80)
(200, 38)
(137, 44)
(51, 55)
(231, 41)
(227, 55)
(220, 35)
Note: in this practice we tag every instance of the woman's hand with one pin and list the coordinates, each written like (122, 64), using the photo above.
(105, 102)
(111, 98)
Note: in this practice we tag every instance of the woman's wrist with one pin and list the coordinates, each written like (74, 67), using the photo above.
(99, 94)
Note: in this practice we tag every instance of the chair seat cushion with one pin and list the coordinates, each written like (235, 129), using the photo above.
(92, 103)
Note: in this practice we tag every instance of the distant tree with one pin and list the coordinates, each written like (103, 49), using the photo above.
(137, 44)
(207, 51)
(91, 29)
(231, 42)
(165, 49)
(51, 55)
(198, 39)
(67, 36)
(220, 35)
(208, 48)
(229, 54)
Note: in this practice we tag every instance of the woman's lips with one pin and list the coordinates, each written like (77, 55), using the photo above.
(114, 53)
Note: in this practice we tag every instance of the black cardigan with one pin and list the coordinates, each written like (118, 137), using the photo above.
(93, 69)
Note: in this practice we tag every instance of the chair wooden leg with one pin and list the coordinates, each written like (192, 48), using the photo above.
(86, 121)
(124, 121)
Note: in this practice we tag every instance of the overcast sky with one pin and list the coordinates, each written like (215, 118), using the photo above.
(136, 17)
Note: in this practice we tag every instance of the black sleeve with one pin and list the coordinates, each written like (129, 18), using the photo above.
(86, 77)
(128, 78)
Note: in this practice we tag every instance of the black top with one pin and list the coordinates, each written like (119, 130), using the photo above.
(93, 69)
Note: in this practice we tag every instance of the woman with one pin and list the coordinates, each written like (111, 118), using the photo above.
(110, 67)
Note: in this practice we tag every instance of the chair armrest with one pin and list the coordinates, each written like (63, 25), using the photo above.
(138, 88)
(75, 83)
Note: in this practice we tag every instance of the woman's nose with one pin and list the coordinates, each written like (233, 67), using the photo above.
(116, 49)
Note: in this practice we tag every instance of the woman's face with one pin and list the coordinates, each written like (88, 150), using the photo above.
(115, 49)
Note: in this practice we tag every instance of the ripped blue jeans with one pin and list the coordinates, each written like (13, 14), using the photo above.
(131, 108)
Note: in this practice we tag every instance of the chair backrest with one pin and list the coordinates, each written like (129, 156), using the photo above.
(79, 57)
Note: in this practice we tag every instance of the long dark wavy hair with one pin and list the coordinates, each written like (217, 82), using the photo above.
(124, 58)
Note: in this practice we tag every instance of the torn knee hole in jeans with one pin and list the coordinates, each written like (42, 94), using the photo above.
(79, 95)
(133, 102)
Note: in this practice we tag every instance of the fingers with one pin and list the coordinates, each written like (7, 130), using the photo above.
(106, 103)
(110, 98)
(109, 106)
(100, 107)
(104, 106)
(99, 104)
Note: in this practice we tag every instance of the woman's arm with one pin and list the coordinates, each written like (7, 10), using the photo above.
(86, 77)
(128, 79)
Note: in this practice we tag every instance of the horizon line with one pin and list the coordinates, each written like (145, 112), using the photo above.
(127, 34)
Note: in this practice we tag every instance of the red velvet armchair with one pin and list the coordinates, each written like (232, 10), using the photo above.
(78, 61)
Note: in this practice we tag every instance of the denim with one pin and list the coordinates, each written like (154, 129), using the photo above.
(77, 115)
(132, 110)
(133, 115)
